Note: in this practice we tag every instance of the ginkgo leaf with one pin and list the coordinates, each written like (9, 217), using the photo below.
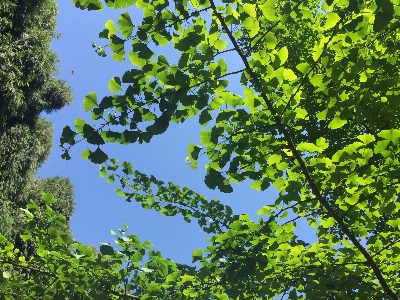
(125, 24)
(336, 123)
(90, 101)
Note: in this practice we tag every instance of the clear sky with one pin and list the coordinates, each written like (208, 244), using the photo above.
(98, 209)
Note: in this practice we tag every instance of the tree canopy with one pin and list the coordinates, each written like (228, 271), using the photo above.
(28, 87)
(315, 115)
(28, 65)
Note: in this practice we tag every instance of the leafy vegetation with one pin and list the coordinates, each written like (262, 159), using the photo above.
(316, 116)
(28, 65)
(28, 87)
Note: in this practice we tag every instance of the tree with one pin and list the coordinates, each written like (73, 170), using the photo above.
(28, 83)
(317, 118)
(28, 87)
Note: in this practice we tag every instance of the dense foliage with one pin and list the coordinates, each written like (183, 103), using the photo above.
(22, 151)
(316, 116)
(28, 84)
(28, 87)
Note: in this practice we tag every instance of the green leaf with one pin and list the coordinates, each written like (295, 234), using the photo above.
(197, 255)
(85, 154)
(7, 274)
(322, 115)
(67, 136)
(289, 75)
(79, 124)
(88, 4)
(147, 270)
(260, 185)
(160, 125)
(329, 222)
(392, 135)
(301, 113)
(27, 213)
(336, 123)
(366, 138)
(250, 9)
(114, 84)
(220, 44)
(106, 250)
(194, 151)
(381, 22)
(283, 55)
(26, 237)
(309, 147)
(48, 198)
(270, 40)
(317, 80)
(91, 135)
(136, 60)
(332, 19)
(248, 23)
(98, 156)
(205, 117)
(192, 39)
(394, 223)
(117, 4)
(111, 179)
(117, 46)
(214, 179)
(125, 24)
(90, 101)
(268, 9)
(322, 143)
(303, 67)
(103, 172)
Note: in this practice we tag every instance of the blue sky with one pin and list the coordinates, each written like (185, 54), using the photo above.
(98, 209)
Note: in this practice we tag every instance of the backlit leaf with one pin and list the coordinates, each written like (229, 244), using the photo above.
(125, 24)
(337, 123)
(90, 101)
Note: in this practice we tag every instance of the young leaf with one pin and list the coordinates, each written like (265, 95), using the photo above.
(48, 198)
(90, 101)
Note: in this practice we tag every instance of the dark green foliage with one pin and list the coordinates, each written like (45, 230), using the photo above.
(28, 87)
(28, 65)
(22, 151)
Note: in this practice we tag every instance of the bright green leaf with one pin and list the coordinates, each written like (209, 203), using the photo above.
(111, 28)
(114, 85)
(332, 19)
(48, 198)
(336, 123)
(90, 101)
